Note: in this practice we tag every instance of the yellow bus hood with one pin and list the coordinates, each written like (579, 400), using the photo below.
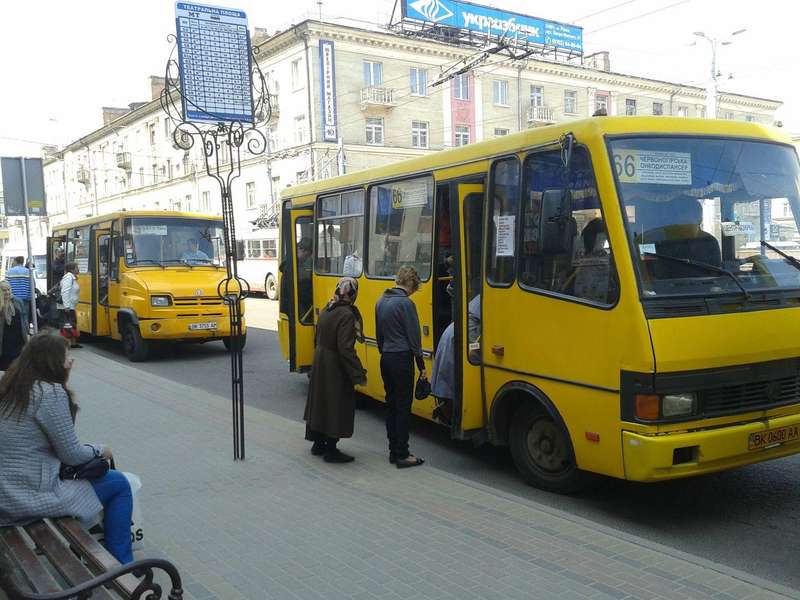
(709, 341)
(182, 283)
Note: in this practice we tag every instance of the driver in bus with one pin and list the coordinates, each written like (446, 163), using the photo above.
(193, 254)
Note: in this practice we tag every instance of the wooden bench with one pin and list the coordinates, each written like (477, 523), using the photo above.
(57, 559)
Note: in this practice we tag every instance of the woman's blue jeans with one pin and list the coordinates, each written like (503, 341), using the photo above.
(114, 492)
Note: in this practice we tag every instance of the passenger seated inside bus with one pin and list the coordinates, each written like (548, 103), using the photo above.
(674, 229)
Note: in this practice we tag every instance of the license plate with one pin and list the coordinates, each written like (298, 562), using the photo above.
(202, 326)
(773, 437)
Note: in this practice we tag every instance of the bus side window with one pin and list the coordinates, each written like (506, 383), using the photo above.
(504, 198)
(579, 264)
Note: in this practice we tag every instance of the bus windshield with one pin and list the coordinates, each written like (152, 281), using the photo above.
(169, 241)
(710, 216)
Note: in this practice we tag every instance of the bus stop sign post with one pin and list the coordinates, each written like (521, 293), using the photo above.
(216, 94)
(32, 315)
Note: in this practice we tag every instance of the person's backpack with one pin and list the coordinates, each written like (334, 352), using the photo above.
(54, 293)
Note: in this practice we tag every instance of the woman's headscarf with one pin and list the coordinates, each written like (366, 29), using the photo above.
(345, 294)
(7, 309)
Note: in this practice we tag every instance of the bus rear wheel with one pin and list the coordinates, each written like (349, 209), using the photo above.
(542, 452)
(136, 349)
(271, 287)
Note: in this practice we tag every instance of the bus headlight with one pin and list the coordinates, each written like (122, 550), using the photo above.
(160, 300)
(677, 405)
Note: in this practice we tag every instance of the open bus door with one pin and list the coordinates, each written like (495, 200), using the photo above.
(296, 319)
(469, 416)
(101, 282)
(54, 244)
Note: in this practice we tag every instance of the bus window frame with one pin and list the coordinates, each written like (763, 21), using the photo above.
(608, 138)
(364, 226)
(612, 262)
(368, 215)
(488, 221)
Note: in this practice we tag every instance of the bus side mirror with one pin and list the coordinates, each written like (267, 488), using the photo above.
(555, 233)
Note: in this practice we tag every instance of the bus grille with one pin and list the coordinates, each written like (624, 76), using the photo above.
(755, 395)
(198, 301)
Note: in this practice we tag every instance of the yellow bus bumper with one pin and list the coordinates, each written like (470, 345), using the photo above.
(184, 328)
(654, 457)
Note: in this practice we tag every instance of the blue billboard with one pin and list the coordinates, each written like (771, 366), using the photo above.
(464, 15)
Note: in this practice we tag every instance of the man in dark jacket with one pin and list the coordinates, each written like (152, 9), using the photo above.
(400, 345)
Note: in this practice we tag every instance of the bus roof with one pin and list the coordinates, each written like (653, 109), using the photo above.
(134, 213)
(584, 128)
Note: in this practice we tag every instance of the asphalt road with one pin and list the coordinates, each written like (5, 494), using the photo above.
(747, 518)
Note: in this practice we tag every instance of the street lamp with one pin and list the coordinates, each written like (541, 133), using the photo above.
(711, 89)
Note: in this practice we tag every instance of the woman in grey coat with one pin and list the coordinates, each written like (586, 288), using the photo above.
(37, 413)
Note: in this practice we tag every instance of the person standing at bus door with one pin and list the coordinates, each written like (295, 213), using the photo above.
(444, 367)
(70, 292)
(193, 254)
(19, 276)
(14, 331)
(59, 262)
(331, 403)
(400, 344)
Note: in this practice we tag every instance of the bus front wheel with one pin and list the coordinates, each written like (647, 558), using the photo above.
(542, 452)
(271, 287)
(135, 347)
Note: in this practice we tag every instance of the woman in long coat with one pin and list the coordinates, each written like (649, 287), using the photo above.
(13, 326)
(331, 405)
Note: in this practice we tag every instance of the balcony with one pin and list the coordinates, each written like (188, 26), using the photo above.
(83, 176)
(377, 97)
(541, 115)
(124, 160)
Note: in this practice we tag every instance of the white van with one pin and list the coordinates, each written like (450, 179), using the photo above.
(39, 262)
(258, 261)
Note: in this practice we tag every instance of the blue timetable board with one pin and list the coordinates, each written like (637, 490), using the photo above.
(214, 61)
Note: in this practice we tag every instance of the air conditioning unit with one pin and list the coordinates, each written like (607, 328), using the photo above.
(124, 160)
(83, 176)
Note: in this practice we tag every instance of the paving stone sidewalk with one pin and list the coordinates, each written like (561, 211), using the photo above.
(286, 525)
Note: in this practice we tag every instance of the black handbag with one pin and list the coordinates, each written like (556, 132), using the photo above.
(423, 388)
(94, 469)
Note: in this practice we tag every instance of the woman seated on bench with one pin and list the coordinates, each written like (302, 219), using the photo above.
(37, 414)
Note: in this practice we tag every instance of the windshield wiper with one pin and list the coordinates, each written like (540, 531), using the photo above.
(789, 258)
(701, 265)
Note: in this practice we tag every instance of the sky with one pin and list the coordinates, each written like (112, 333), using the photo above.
(62, 61)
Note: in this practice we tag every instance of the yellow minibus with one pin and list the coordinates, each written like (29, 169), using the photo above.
(636, 281)
(146, 277)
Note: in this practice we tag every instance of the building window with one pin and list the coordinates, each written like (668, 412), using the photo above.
(167, 129)
(141, 176)
(276, 189)
(301, 176)
(340, 234)
(170, 172)
(419, 134)
(601, 103)
(272, 137)
(373, 73)
(401, 227)
(728, 115)
(188, 202)
(419, 82)
(461, 86)
(374, 131)
(750, 118)
(537, 95)
(683, 111)
(570, 102)
(297, 79)
(658, 108)
(154, 166)
(300, 129)
(205, 201)
(500, 92)
(250, 194)
(500, 132)
(630, 106)
(151, 128)
(462, 135)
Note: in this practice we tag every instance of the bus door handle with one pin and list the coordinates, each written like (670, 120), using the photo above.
(499, 350)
